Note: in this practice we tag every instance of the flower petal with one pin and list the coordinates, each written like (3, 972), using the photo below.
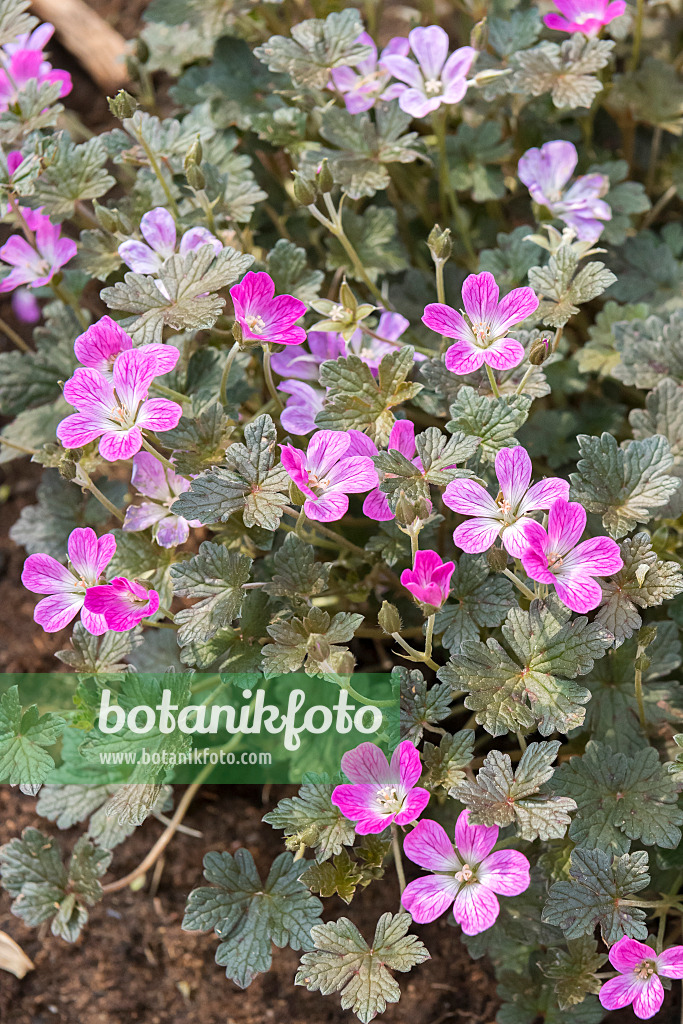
(353, 475)
(328, 509)
(506, 872)
(159, 414)
(599, 556)
(464, 357)
(626, 954)
(57, 611)
(366, 763)
(469, 498)
(513, 469)
(474, 842)
(670, 962)
(429, 846)
(504, 354)
(514, 307)
(649, 1000)
(359, 803)
(480, 297)
(430, 46)
(447, 321)
(413, 806)
(543, 494)
(617, 993)
(123, 444)
(476, 535)
(82, 548)
(43, 574)
(476, 908)
(158, 229)
(578, 591)
(405, 764)
(427, 898)
(566, 523)
(325, 449)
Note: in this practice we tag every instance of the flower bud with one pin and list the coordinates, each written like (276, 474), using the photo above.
(324, 177)
(318, 649)
(497, 559)
(195, 177)
(141, 50)
(647, 635)
(105, 218)
(195, 154)
(440, 245)
(237, 332)
(540, 350)
(406, 513)
(122, 105)
(347, 298)
(389, 619)
(305, 191)
(68, 469)
(642, 663)
(296, 496)
(478, 35)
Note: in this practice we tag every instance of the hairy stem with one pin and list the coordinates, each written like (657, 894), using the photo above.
(520, 586)
(223, 389)
(10, 333)
(492, 381)
(83, 480)
(638, 679)
(157, 455)
(268, 374)
(398, 860)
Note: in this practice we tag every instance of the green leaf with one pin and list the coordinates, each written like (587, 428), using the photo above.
(99, 654)
(508, 36)
(650, 350)
(477, 599)
(337, 877)
(24, 735)
(32, 871)
(565, 70)
(514, 255)
(620, 799)
(528, 998)
(648, 265)
(68, 805)
(199, 442)
(72, 173)
(287, 264)
(343, 962)
(599, 354)
(625, 199)
(249, 915)
(624, 485)
(536, 691)
(420, 706)
(251, 483)
(216, 575)
(663, 414)
(472, 151)
(30, 379)
(562, 287)
(644, 582)
(500, 796)
(360, 401)
(296, 574)
(444, 764)
(599, 883)
(234, 649)
(572, 970)
(15, 20)
(315, 48)
(494, 421)
(311, 642)
(374, 236)
(190, 301)
(312, 820)
(652, 94)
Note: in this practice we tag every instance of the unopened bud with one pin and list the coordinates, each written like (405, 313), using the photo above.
(497, 559)
(540, 350)
(105, 218)
(195, 154)
(122, 105)
(347, 298)
(296, 496)
(237, 332)
(141, 50)
(647, 635)
(305, 191)
(406, 513)
(318, 649)
(346, 664)
(324, 177)
(642, 663)
(389, 619)
(68, 469)
(478, 35)
(440, 244)
(195, 177)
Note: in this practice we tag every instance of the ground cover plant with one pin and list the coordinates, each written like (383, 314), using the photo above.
(362, 349)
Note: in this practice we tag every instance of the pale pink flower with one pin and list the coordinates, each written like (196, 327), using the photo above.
(162, 486)
(67, 586)
(555, 556)
(401, 439)
(586, 16)
(104, 340)
(302, 406)
(507, 515)
(468, 878)
(159, 231)
(122, 603)
(25, 306)
(482, 334)
(35, 266)
(640, 969)
(116, 409)
(430, 578)
(362, 85)
(264, 316)
(380, 792)
(435, 79)
(546, 172)
(326, 475)
(27, 64)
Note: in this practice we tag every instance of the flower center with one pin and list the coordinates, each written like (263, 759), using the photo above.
(465, 874)
(482, 332)
(645, 969)
(337, 313)
(318, 486)
(554, 560)
(255, 323)
(433, 87)
(389, 800)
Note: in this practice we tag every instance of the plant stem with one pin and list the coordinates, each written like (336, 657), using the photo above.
(440, 292)
(176, 396)
(336, 537)
(335, 226)
(492, 381)
(520, 586)
(638, 679)
(637, 35)
(159, 173)
(663, 201)
(398, 860)
(520, 386)
(429, 635)
(83, 480)
(69, 299)
(521, 741)
(18, 447)
(157, 455)
(268, 374)
(223, 390)
(414, 654)
(16, 338)
(446, 189)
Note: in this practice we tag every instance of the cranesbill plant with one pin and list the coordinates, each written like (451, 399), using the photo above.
(359, 348)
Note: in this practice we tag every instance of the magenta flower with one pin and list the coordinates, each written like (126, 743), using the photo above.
(67, 586)
(25, 306)
(481, 336)
(379, 792)
(162, 486)
(587, 16)
(116, 410)
(159, 231)
(506, 516)
(640, 969)
(262, 315)
(35, 266)
(362, 85)
(401, 439)
(547, 170)
(122, 603)
(327, 475)
(429, 580)
(555, 557)
(103, 341)
(26, 64)
(468, 877)
(435, 79)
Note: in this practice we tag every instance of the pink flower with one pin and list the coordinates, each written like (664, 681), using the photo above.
(556, 558)
(25, 306)
(373, 350)
(118, 409)
(327, 475)
(26, 64)
(262, 315)
(122, 603)
(640, 969)
(547, 170)
(159, 231)
(401, 439)
(468, 877)
(67, 587)
(481, 338)
(103, 341)
(429, 580)
(362, 85)
(302, 407)
(587, 16)
(435, 79)
(303, 364)
(35, 267)
(154, 481)
(506, 516)
(380, 792)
